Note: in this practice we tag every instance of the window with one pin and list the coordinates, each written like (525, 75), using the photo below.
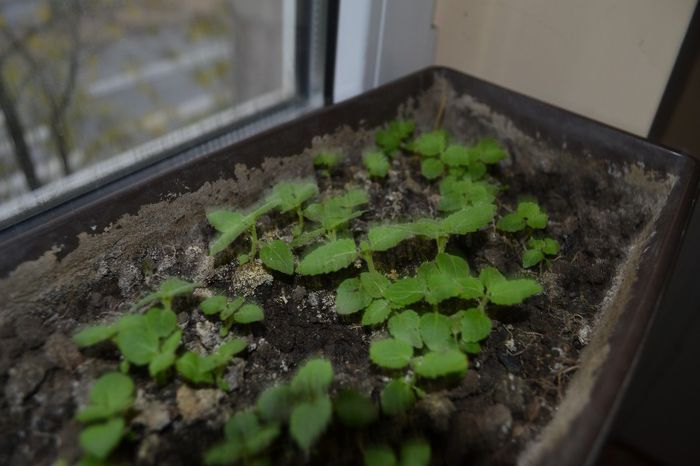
(93, 90)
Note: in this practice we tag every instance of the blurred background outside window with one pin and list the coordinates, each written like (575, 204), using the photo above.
(89, 88)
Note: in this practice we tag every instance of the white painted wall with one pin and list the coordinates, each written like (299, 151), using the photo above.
(607, 59)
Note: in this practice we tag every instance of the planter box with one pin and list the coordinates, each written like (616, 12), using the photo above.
(666, 180)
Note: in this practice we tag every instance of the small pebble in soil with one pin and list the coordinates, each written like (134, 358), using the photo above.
(247, 278)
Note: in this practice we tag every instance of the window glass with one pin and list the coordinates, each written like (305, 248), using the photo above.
(88, 87)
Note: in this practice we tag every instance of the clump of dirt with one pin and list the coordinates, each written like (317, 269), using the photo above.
(510, 392)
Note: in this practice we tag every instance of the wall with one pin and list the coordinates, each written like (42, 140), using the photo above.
(609, 60)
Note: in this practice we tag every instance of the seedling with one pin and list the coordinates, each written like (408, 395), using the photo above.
(246, 440)
(327, 161)
(111, 397)
(377, 164)
(430, 144)
(231, 311)
(290, 196)
(334, 213)
(303, 404)
(354, 409)
(528, 214)
(166, 292)
(149, 339)
(329, 257)
(209, 369)
(412, 453)
(231, 225)
(537, 251)
(391, 138)
(456, 193)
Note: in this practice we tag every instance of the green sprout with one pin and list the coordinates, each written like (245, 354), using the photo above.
(166, 292)
(231, 311)
(456, 193)
(537, 251)
(528, 214)
(391, 138)
(209, 369)
(231, 225)
(290, 196)
(110, 399)
(377, 164)
(430, 144)
(303, 404)
(335, 212)
(415, 452)
(327, 161)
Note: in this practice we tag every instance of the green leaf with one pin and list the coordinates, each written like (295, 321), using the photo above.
(470, 347)
(162, 322)
(390, 353)
(313, 379)
(475, 325)
(351, 297)
(489, 276)
(160, 363)
(92, 335)
(327, 159)
(292, 194)
(415, 452)
(275, 403)
(430, 144)
(440, 363)
(139, 345)
(226, 352)
(377, 164)
(472, 288)
(429, 228)
(469, 219)
(390, 138)
(397, 397)
(551, 247)
(488, 150)
(99, 440)
(248, 314)
(168, 290)
(224, 453)
(172, 343)
(277, 255)
(354, 409)
(112, 393)
(194, 368)
(532, 257)
(379, 455)
(230, 225)
(309, 420)
(511, 292)
(404, 326)
(406, 291)
(435, 331)
(231, 307)
(377, 312)
(330, 257)
(374, 283)
(454, 266)
(432, 168)
(456, 155)
(384, 237)
(213, 305)
(511, 223)
(440, 285)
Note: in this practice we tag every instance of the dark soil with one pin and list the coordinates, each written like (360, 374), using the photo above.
(511, 390)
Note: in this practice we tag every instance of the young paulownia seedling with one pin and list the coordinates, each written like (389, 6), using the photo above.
(537, 251)
(327, 161)
(303, 404)
(209, 369)
(110, 399)
(231, 311)
(377, 163)
(528, 214)
(391, 138)
(290, 196)
(231, 225)
(414, 452)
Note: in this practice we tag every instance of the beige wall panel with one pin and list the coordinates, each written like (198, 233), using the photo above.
(607, 59)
